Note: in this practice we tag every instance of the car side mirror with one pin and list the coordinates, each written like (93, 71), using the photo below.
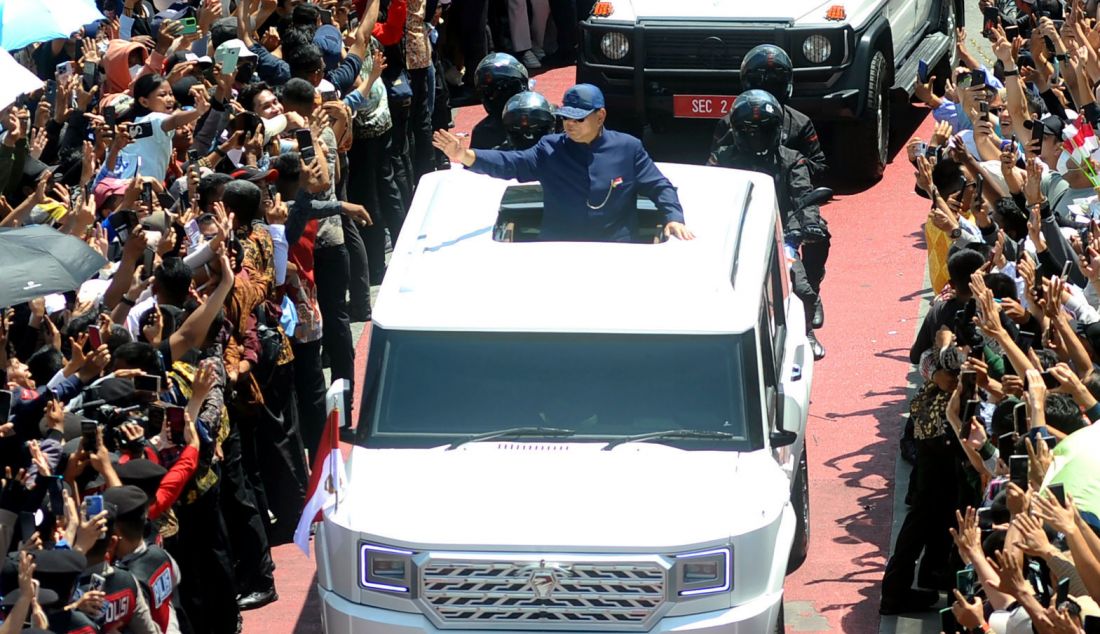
(818, 196)
(783, 438)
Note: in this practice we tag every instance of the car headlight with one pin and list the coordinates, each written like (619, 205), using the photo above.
(705, 572)
(817, 48)
(614, 45)
(384, 568)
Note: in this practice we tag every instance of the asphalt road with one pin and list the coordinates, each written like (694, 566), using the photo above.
(874, 295)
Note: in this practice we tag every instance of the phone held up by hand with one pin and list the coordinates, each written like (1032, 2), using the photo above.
(306, 151)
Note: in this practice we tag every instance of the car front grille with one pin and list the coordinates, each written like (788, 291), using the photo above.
(715, 49)
(486, 594)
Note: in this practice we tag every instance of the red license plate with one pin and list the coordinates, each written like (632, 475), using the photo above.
(701, 106)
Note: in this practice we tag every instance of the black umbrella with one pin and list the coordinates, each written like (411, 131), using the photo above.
(38, 260)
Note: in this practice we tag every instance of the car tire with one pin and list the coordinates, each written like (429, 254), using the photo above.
(865, 143)
(800, 502)
(780, 621)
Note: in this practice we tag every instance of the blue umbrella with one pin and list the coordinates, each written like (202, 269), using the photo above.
(24, 22)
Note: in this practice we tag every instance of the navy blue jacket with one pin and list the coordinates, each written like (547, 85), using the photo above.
(589, 191)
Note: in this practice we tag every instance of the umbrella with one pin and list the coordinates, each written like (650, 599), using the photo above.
(17, 80)
(24, 22)
(39, 260)
(1077, 466)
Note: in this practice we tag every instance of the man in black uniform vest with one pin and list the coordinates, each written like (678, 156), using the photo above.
(57, 570)
(123, 603)
(152, 567)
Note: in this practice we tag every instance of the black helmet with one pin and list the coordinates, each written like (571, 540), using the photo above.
(497, 78)
(768, 67)
(757, 121)
(527, 118)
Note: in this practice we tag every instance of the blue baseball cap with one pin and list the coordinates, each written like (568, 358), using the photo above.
(580, 101)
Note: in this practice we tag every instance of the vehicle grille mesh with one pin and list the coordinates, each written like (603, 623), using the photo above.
(710, 49)
(624, 596)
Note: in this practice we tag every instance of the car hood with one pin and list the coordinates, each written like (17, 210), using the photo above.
(565, 496)
(723, 10)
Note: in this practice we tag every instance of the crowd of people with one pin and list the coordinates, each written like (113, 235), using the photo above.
(236, 171)
(1002, 502)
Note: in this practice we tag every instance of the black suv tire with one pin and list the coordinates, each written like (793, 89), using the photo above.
(864, 144)
(800, 501)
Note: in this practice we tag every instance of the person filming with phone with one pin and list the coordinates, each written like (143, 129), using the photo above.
(591, 176)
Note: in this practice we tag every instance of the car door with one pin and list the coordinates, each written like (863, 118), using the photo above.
(902, 16)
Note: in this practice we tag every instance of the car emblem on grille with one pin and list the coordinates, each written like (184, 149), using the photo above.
(711, 51)
(544, 578)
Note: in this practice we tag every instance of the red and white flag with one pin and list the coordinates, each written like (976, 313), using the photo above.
(1080, 141)
(328, 476)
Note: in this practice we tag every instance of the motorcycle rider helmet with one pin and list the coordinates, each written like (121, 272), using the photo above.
(757, 122)
(768, 67)
(527, 118)
(497, 78)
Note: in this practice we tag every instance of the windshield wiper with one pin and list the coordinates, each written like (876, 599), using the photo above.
(672, 433)
(513, 431)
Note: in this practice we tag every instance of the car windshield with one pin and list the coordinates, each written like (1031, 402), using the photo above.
(429, 388)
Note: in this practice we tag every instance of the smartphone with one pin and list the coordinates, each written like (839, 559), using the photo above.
(64, 71)
(991, 17)
(147, 383)
(89, 436)
(1027, 340)
(1006, 445)
(966, 580)
(1062, 594)
(1059, 492)
(922, 71)
(1050, 380)
(306, 150)
(968, 380)
(142, 130)
(979, 190)
(94, 337)
(977, 78)
(27, 525)
(1019, 418)
(174, 416)
(89, 75)
(1017, 471)
(110, 116)
(228, 58)
(193, 157)
(147, 263)
(93, 505)
(97, 582)
(190, 26)
(1050, 441)
(51, 92)
(123, 222)
(983, 107)
(5, 406)
(949, 624)
(330, 95)
(54, 486)
(969, 411)
(147, 194)
(326, 16)
(156, 416)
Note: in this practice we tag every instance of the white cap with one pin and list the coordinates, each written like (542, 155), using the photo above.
(236, 43)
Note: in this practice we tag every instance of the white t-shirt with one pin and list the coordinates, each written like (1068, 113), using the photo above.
(155, 151)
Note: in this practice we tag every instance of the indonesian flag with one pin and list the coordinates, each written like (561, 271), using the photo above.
(1080, 141)
(328, 477)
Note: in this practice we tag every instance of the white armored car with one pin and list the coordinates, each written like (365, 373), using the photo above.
(583, 437)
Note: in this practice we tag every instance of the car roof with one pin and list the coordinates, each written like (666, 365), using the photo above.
(447, 273)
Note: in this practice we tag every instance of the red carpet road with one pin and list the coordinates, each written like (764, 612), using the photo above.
(872, 295)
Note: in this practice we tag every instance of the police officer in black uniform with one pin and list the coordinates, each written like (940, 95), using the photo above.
(755, 144)
(527, 118)
(768, 67)
(124, 606)
(152, 566)
(498, 78)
